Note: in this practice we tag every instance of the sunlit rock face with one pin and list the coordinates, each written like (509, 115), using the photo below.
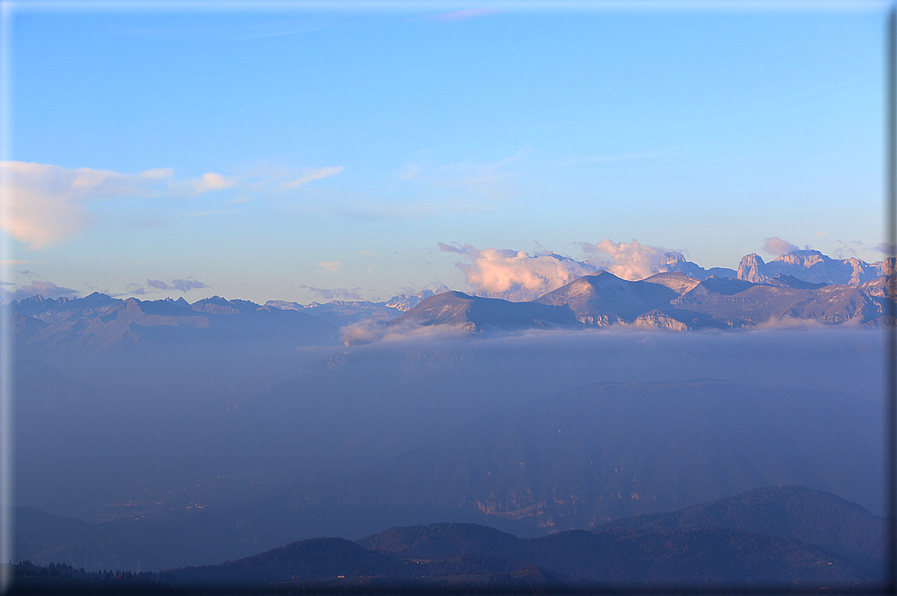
(814, 267)
(750, 269)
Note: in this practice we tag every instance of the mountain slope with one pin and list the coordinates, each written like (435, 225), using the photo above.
(814, 267)
(608, 451)
(631, 553)
(479, 314)
(100, 323)
(795, 512)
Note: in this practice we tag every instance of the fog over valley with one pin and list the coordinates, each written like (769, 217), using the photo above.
(427, 297)
(191, 434)
(172, 437)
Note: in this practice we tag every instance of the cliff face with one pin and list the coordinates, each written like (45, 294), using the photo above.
(751, 269)
(814, 267)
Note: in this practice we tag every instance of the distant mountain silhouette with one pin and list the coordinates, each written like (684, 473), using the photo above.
(704, 548)
(667, 300)
(814, 267)
(98, 322)
(694, 548)
(794, 512)
(803, 286)
(45, 538)
(608, 451)
(481, 314)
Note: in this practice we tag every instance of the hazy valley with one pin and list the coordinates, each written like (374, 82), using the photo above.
(152, 435)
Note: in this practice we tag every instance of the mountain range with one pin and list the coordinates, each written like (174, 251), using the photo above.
(671, 301)
(800, 287)
(777, 537)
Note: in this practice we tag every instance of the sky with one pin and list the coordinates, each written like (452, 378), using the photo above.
(307, 152)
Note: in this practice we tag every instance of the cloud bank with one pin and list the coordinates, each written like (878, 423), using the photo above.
(633, 261)
(515, 275)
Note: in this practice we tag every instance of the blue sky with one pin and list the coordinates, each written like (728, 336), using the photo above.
(275, 154)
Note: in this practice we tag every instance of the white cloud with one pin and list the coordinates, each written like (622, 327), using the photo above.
(490, 179)
(45, 204)
(313, 175)
(632, 261)
(158, 173)
(213, 181)
(515, 275)
(330, 265)
(208, 182)
(776, 246)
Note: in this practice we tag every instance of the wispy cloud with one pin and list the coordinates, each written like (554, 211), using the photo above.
(375, 211)
(334, 293)
(571, 161)
(369, 331)
(46, 289)
(492, 179)
(45, 203)
(461, 15)
(313, 175)
(331, 265)
(181, 285)
(886, 248)
(455, 248)
(213, 181)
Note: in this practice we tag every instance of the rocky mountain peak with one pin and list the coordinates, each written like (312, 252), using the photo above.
(750, 269)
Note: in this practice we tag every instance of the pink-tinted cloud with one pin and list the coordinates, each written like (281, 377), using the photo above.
(776, 246)
(332, 266)
(631, 261)
(516, 275)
